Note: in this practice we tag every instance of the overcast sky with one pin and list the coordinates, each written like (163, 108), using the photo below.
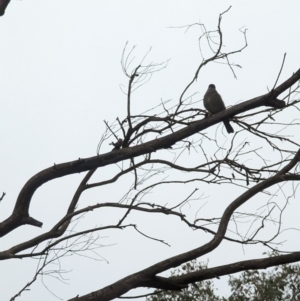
(60, 77)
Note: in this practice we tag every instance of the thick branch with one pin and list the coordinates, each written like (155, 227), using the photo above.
(254, 264)
(3, 5)
(146, 276)
(20, 213)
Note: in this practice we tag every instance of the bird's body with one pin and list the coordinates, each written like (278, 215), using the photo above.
(118, 144)
(213, 103)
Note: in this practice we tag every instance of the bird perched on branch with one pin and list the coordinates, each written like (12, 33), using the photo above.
(118, 144)
(213, 103)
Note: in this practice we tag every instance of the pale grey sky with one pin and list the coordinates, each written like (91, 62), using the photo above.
(60, 77)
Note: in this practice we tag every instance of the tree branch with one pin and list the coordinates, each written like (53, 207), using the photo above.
(3, 6)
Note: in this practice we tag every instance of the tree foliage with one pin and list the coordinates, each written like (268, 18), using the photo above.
(281, 283)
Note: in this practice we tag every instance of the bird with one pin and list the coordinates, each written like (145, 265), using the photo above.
(118, 144)
(213, 103)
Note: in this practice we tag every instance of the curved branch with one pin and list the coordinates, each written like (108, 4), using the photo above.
(20, 213)
(146, 276)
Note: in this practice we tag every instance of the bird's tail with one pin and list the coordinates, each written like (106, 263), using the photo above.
(228, 126)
